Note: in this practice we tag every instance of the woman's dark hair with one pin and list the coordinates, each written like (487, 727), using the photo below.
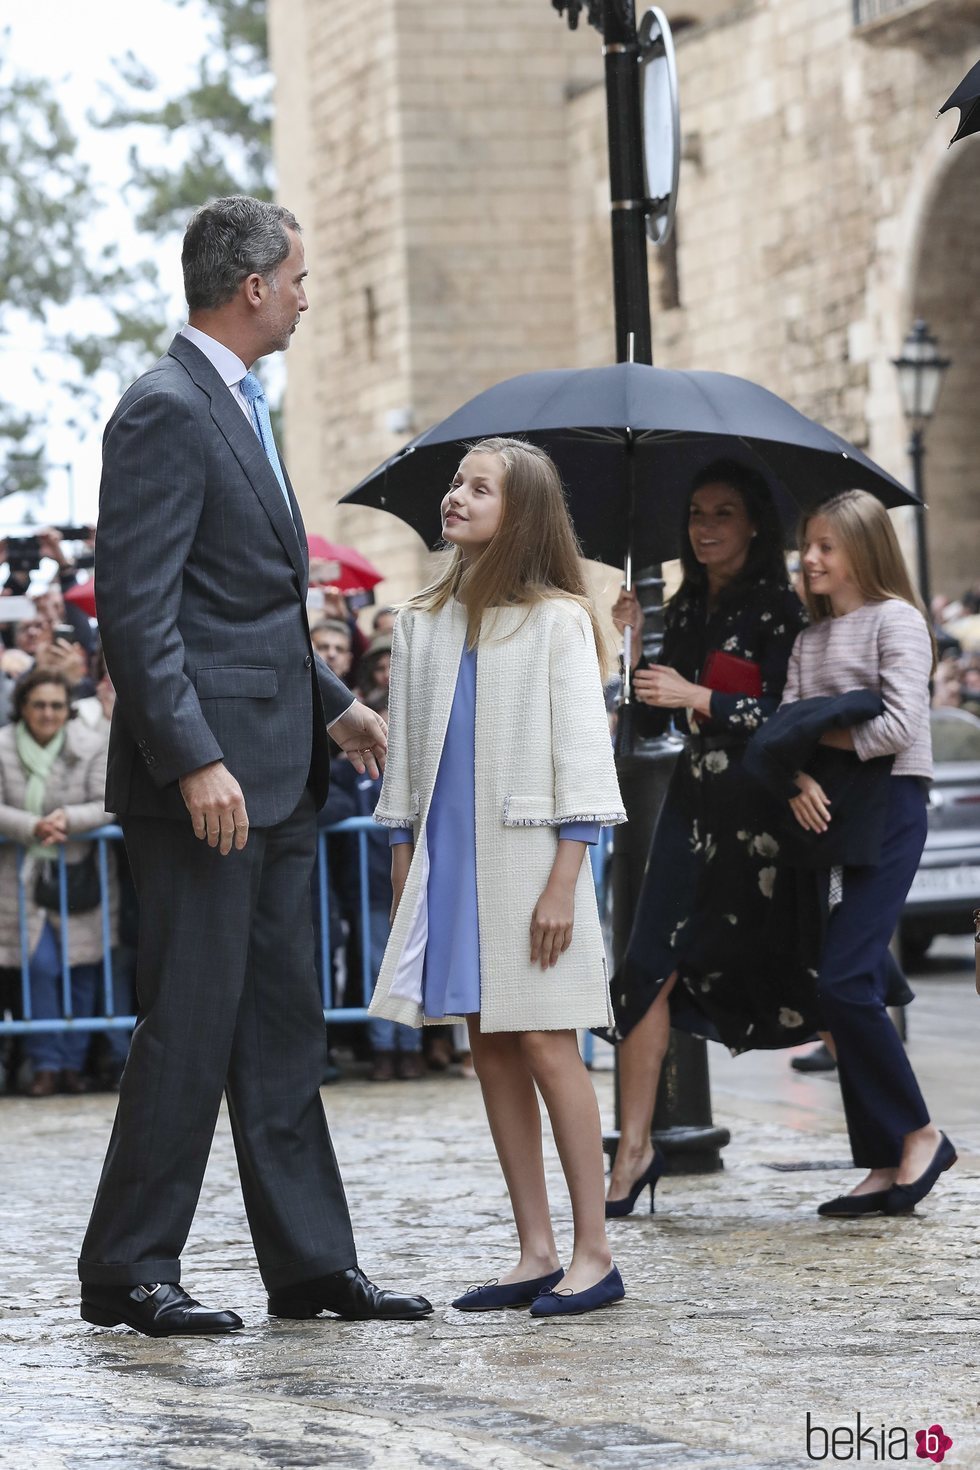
(765, 558)
(32, 680)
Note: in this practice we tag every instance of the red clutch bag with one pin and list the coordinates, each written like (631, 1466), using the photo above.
(730, 675)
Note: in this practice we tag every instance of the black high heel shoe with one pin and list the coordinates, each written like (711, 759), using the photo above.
(616, 1208)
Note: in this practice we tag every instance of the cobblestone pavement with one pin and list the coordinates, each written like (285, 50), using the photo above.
(745, 1311)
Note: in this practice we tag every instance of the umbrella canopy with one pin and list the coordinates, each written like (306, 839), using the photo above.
(344, 567)
(83, 596)
(631, 436)
(967, 99)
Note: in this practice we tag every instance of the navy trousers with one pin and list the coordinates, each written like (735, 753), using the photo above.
(882, 1101)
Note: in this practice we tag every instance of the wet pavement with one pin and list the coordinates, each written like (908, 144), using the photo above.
(745, 1311)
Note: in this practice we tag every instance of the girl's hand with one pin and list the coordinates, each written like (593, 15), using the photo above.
(401, 861)
(812, 807)
(667, 689)
(551, 923)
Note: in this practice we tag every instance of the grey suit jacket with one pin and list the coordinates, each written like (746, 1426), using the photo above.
(201, 578)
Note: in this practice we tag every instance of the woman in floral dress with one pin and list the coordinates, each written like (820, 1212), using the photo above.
(693, 959)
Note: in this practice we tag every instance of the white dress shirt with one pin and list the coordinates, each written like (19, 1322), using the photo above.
(230, 369)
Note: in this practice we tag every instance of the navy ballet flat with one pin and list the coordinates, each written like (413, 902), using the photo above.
(903, 1198)
(853, 1206)
(617, 1208)
(492, 1297)
(557, 1303)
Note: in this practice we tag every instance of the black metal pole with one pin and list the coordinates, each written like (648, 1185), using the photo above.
(683, 1124)
(627, 188)
(917, 452)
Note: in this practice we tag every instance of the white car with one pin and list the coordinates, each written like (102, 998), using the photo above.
(946, 888)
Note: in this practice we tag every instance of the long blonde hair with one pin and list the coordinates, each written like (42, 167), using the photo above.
(868, 540)
(534, 555)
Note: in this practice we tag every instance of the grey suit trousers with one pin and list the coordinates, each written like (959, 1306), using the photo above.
(228, 1002)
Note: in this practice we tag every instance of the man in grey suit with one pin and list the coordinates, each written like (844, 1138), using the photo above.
(218, 763)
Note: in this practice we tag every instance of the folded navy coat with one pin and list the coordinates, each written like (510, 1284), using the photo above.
(789, 742)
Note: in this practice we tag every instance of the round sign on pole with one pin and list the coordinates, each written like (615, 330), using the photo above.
(661, 123)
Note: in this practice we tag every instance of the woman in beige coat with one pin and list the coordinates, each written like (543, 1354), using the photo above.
(499, 774)
(52, 784)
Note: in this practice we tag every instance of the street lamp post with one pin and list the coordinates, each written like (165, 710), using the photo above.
(683, 1123)
(920, 376)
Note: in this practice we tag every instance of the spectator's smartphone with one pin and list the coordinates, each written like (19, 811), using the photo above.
(17, 609)
(66, 632)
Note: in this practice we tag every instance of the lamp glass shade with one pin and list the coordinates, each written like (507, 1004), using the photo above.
(920, 373)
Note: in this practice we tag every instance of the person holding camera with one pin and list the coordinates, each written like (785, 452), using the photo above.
(52, 783)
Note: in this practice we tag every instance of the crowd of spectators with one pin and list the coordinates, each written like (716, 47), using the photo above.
(363, 661)
(56, 701)
(956, 621)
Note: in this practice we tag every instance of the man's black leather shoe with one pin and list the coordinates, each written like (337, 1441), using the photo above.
(160, 1309)
(351, 1295)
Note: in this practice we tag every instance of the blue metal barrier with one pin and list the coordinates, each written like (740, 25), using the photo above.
(103, 836)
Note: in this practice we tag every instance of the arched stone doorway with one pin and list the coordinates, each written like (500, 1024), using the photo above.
(946, 294)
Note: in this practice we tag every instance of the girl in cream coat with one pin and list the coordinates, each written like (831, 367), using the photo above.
(499, 774)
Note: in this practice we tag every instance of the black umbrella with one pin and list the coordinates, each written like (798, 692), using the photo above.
(628, 440)
(967, 99)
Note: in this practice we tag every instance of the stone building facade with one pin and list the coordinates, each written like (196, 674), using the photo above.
(448, 160)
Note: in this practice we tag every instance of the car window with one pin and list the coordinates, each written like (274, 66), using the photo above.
(955, 735)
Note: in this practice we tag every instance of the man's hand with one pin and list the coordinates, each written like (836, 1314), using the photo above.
(217, 807)
(363, 737)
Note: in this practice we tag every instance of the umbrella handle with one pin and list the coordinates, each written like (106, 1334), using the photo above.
(628, 635)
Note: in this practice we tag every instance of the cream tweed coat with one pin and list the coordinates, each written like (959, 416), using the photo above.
(543, 757)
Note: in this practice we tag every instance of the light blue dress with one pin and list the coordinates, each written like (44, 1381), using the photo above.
(451, 974)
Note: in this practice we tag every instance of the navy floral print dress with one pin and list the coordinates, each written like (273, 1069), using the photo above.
(707, 896)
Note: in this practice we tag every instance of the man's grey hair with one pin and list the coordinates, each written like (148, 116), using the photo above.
(333, 625)
(228, 240)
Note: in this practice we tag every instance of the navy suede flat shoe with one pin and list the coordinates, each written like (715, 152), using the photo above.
(903, 1198)
(853, 1206)
(492, 1297)
(572, 1303)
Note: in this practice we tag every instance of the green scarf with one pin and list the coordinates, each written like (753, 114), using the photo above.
(37, 761)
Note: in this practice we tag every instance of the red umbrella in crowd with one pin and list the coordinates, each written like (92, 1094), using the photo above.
(83, 596)
(332, 565)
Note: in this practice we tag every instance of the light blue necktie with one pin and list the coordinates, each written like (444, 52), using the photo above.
(255, 398)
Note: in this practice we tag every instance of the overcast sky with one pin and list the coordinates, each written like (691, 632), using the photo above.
(73, 46)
